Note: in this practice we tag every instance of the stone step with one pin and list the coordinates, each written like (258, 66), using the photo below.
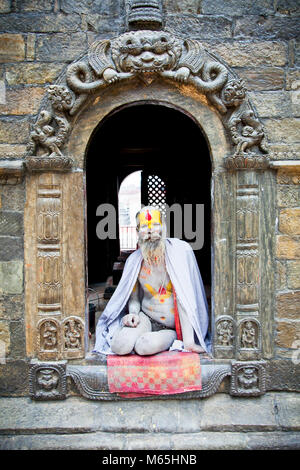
(218, 413)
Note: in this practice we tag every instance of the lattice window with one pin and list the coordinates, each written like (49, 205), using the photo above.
(156, 192)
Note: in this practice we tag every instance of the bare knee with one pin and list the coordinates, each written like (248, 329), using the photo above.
(121, 344)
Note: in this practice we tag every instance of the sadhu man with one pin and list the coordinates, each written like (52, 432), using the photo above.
(159, 303)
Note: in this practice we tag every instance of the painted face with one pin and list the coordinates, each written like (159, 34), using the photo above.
(150, 224)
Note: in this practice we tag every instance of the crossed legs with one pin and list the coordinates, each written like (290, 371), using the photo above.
(144, 341)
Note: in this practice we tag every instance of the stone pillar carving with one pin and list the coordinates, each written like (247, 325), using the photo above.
(248, 338)
(55, 283)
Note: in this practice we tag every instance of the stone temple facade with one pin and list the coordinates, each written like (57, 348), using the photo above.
(232, 69)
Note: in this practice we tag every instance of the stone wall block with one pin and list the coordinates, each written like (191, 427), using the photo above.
(236, 7)
(39, 23)
(287, 247)
(262, 78)
(11, 248)
(23, 101)
(283, 130)
(14, 131)
(201, 27)
(289, 221)
(287, 334)
(102, 7)
(4, 340)
(266, 27)
(34, 5)
(288, 305)
(60, 47)
(12, 47)
(293, 274)
(288, 196)
(5, 6)
(250, 54)
(11, 223)
(272, 104)
(280, 275)
(183, 6)
(11, 277)
(32, 73)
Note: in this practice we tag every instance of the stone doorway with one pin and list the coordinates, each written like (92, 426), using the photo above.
(143, 145)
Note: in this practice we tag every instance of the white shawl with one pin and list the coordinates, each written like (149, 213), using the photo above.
(185, 276)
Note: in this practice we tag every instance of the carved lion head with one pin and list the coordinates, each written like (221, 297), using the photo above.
(145, 51)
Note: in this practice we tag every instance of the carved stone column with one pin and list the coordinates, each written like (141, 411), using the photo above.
(247, 315)
(55, 308)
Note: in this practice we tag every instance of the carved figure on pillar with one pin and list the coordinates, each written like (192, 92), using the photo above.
(160, 301)
(225, 333)
(248, 337)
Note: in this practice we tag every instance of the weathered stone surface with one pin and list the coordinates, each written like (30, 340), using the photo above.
(4, 340)
(15, 150)
(289, 221)
(12, 198)
(154, 441)
(12, 47)
(11, 306)
(11, 223)
(14, 131)
(102, 7)
(288, 332)
(11, 277)
(39, 23)
(262, 78)
(266, 27)
(285, 151)
(30, 74)
(271, 104)
(14, 379)
(17, 334)
(11, 248)
(280, 275)
(288, 177)
(254, 53)
(236, 8)
(200, 27)
(33, 5)
(287, 247)
(297, 54)
(30, 46)
(293, 274)
(23, 101)
(287, 7)
(283, 130)
(5, 6)
(288, 196)
(183, 6)
(283, 375)
(288, 304)
(293, 79)
(101, 24)
(60, 47)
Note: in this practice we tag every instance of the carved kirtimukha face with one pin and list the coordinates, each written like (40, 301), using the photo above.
(145, 51)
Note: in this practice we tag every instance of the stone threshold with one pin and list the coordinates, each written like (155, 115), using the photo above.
(218, 422)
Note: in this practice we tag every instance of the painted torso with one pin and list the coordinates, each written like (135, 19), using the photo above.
(157, 298)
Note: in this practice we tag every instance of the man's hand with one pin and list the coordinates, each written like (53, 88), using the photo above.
(132, 320)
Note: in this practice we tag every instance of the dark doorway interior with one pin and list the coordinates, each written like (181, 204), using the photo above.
(158, 140)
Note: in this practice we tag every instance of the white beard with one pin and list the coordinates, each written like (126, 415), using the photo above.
(153, 251)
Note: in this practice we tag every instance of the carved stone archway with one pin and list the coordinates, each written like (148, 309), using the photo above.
(148, 66)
